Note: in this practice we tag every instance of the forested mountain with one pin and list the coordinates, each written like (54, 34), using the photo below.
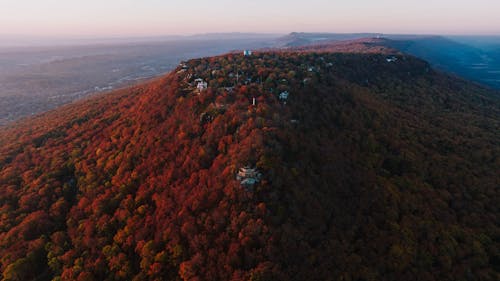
(297, 165)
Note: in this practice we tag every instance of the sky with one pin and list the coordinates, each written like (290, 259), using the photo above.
(128, 18)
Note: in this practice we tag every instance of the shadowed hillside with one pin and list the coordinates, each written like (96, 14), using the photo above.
(472, 57)
(472, 62)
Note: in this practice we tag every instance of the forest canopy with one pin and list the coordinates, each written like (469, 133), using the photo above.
(373, 166)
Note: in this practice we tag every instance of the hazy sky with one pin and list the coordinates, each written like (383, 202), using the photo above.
(86, 18)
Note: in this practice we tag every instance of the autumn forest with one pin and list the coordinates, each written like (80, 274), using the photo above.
(302, 164)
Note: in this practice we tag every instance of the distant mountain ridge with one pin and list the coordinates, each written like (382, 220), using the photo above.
(470, 62)
(462, 56)
(297, 39)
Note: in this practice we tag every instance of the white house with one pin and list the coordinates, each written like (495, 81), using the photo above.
(247, 53)
(249, 182)
(391, 59)
(201, 85)
(284, 96)
(248, 176)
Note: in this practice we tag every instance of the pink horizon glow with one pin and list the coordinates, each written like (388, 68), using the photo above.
(93, 18)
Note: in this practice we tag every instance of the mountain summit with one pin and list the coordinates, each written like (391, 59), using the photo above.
(280, 165)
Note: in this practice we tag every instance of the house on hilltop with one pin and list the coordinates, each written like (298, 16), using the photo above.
(391, 59)
(248, 176)
(284, 95)
(200, 84)
(247, 53)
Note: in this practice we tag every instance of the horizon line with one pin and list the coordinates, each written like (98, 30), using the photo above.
(26, 40)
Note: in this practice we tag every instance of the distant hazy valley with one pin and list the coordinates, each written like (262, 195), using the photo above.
(34, 80)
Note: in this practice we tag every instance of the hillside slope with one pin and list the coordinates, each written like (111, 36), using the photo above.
(371, 167)
(474, 58)
(468, 61)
